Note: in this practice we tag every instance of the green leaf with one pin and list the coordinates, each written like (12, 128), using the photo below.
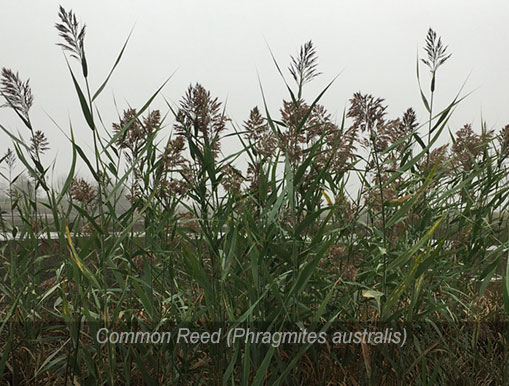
(262, 370)
(423, 97)
(103, 85)
(83, 102)
(145, 301)
(404, 257)
(506, 287)
(70, 176)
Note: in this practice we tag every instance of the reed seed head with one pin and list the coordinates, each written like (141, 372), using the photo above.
(466, 148)
(366, 111)
(39, 143)
(135, 132)
(10, 158)
(200, 117)
(72, 33)
(172, 156)
(17, 93)
(436, 51)
(81, 191)
(303, 66)
(504, 140)
(232, 179)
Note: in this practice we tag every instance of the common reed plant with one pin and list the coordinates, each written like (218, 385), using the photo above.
(170, 232)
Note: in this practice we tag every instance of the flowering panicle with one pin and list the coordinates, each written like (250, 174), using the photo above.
(134, 133)
(259, 133)
(17, 93)
(81, 191)
(72, 33)
(504, 140)
(173, 161)
(303, 67)
(466, 148)
(232, 179)
(366, 111)
(10, 158)
(393, 131)
(200, 117)
(172, 156)
(437, 52)
(39, 143)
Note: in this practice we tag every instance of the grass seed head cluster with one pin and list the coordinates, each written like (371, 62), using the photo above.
(172, 230)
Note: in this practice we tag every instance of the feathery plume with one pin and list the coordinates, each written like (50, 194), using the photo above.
(504, 140)
(39, 143)
(437, 52)
(10, 158)
(466, 148)
(17, 93)
(367, 111)
(232, 179)
(73, 34)
(200, 116)
(303, 67)
(81, 191)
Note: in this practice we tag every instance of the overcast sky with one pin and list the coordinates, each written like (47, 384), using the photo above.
(224, 45)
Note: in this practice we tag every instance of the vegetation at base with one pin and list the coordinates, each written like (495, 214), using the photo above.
(207, 239)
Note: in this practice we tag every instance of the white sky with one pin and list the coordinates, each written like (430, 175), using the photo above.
(223, 46)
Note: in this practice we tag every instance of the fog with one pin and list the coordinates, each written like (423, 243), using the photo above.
(226, 45)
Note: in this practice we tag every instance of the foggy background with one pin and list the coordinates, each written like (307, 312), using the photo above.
(224, 46)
